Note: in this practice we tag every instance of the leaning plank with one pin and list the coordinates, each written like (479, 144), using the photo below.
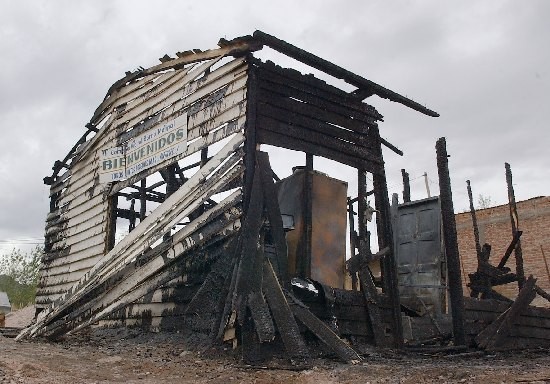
(372, 305)
(284, 319)
(116, 298)
(155, 281)
(325, 334)
(180, 246)
(150, 223)
(274, 215)
(494, 336)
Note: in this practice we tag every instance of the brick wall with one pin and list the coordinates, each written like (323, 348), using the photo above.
(495, 229)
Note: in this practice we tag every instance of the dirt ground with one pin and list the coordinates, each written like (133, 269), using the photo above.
(129, 356)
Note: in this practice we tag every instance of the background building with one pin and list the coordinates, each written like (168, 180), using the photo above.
(495, 229)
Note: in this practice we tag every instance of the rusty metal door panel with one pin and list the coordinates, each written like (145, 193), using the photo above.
(329, 220)
(419, 256)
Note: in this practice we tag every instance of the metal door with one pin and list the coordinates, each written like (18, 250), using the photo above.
(416, 227)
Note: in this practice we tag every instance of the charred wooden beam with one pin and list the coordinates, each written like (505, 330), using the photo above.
(283, 140)
(304, 267)
(406, 186)
(352, 242)
(142, 199)
(451, 243)
(314, 86)
(509, 250)
(284, 318)
(474, 220)
(385, 239)
(338, 72)
(494, 336)
(275, 220)
(250, 132)
(514, 219)
(324, 333)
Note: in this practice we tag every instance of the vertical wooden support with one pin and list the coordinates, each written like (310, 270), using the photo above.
(385, 239)
(142, 199)
(361, 209)
(451, 243)
(204, 156)
(515, 224)
(305, 266)
(250, 132)
(273, 211)
(352, 237)
(111, 226)
(474, 220)
(132, 217)
(172, 186)
(406, 186)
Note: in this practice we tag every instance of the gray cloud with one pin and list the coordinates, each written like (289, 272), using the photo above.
(482, 65)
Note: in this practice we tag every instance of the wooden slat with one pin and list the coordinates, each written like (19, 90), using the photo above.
(182, 97)
(124, 293)
(314, 86)
(82, 264)
(106, 266)
(302, 133)
(130, 91)
(282, 140)
(309, 110)
(342, 115)
(325, 334)
(316, 125)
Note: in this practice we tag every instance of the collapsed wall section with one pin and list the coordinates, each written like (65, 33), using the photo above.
(143, 125)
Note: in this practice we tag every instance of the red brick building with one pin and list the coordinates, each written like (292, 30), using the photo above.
(495, 229)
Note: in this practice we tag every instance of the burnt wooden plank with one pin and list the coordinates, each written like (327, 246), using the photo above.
(284, 140)
(135, 283)
(495, 334)
(284, 319)
(451, 244)
(315, 86)
(315, 125)
(325, 334)
(385, 239)
(286, 87)
(250, 266)
(472, 304)
(338, 72)
(274, 215)
(265, 329)
(309, 110)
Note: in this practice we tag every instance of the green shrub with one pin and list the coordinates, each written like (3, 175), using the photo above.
(19, 275)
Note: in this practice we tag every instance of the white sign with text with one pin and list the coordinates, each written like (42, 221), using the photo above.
(146, 150)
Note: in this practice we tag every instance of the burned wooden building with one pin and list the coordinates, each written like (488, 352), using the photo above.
(166, 214)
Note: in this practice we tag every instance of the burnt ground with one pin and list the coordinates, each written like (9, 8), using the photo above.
(129, 356)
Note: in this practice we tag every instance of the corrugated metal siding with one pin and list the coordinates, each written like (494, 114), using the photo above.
(215, 103)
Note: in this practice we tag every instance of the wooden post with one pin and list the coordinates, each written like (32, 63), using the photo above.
(515, 225)
(385, 239)
(451, 243)
(305, 265)
(474, 220)
(250, 131)
(142, 199)
(352, 244)
(111, 226)
(406, 186)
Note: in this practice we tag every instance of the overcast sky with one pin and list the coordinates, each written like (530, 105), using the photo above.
(483, 65)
